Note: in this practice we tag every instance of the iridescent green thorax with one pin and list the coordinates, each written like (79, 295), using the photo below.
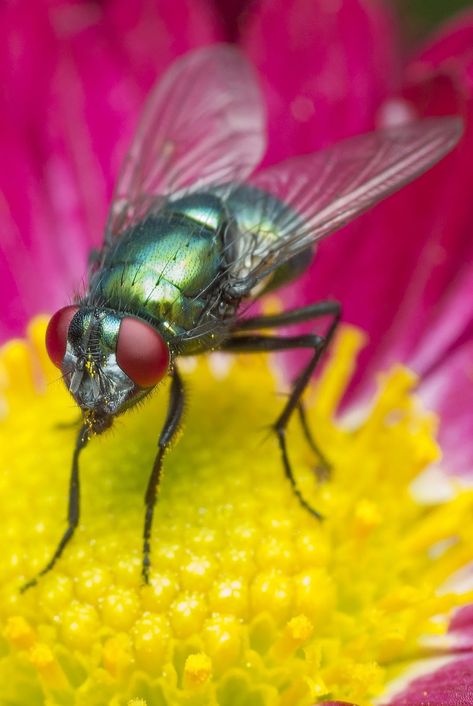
(175, 268)
(161, 270)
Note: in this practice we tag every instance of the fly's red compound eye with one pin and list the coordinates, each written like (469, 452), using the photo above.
(56, 333)
(141, 352)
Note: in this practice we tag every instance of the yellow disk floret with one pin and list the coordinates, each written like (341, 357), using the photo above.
(252, 600)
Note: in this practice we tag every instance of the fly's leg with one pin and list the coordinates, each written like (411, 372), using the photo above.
(171, 426)
(324, 467)
(290, 318)
(259, 344)
(73, 510)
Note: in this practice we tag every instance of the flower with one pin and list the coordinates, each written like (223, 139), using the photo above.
(252, 600)
(78, 73)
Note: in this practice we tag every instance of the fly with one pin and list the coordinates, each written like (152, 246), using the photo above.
(195, 233)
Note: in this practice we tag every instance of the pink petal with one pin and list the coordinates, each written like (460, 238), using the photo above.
(440, 80)
(439, 341)
(395, 268)
(463, 620)
(325, 68)
(449, 324)
(232, 14)
(451, 685)
(418, 243)
(74, 77)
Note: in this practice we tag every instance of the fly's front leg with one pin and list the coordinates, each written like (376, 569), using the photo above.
(258, 344)
(73, 511)
(328, 308)
(171, 426)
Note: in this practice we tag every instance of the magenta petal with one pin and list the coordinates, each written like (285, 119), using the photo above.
(451, 685)
(107, 70)
(430, 314)
(440, 81)
(325, 69)
(417, 249)
(74, 77)
(462, 620)
(381, 266)
(232, 13)
(434, 219)
(33, 273)
(448, 325)
(397, 267)
(461, 629)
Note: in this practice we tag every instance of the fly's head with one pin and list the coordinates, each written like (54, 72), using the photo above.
(109, 360)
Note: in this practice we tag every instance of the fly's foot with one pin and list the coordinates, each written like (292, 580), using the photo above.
(323, 467)
(28, 584)
(280, 432)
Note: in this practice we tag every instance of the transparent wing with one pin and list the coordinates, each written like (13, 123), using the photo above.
(326, 190)
(203, 124)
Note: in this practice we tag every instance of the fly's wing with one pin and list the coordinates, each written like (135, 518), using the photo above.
(326, 190)
(203, 124)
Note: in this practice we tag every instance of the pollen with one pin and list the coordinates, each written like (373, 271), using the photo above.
(197, 670)
(251, 599)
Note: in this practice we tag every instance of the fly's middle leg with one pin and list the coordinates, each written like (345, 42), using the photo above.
(254, 343)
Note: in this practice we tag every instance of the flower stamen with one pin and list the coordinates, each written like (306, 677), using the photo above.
(251, 598)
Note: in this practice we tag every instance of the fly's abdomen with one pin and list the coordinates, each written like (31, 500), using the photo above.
(244, 206)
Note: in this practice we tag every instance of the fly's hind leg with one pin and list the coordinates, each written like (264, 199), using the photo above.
(171, 426)
(254, 343)
(323, 468)
(330, 309)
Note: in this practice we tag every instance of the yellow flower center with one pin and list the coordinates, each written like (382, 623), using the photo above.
(252, 600)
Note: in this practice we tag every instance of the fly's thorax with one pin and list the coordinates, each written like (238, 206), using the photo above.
(170, 268)
(157, 265)
(186, 266)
